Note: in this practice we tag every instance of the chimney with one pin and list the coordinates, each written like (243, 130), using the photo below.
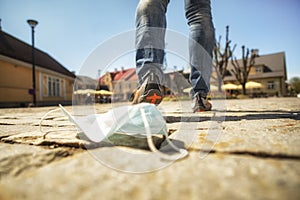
(122, 68)
(0, 25)
(255, 52)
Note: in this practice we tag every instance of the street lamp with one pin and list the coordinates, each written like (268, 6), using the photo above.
(32, 23)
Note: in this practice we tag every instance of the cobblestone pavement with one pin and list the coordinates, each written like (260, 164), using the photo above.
(243, 149)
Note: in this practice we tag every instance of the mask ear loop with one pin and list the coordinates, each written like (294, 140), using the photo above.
(182, 153)
(44, 117)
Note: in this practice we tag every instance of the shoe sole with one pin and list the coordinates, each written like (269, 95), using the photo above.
(203, 109)
(153, 96)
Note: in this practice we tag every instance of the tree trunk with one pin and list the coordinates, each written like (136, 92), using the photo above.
(219, 86)
(221, 57)
(244, 89)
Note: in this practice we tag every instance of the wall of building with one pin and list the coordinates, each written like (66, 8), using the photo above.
(123, 89)
(107, 80)
(16, 80)
(268, 68)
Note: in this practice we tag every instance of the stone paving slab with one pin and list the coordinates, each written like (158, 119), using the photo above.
(67, 136)
(218, 176)
(18, 159)
(282, 138)
(251, 154)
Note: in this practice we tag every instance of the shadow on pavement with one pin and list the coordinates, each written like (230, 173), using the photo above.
(260, 116)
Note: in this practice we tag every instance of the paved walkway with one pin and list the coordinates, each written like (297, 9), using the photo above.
(243, 149)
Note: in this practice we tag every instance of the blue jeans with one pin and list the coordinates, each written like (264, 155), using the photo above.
(150, 44)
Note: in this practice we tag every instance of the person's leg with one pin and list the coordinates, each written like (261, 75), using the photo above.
(202, 38)
(150, 45)
(150, 36)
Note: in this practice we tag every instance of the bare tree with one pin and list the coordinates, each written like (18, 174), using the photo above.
(221, 58)
(241, 73)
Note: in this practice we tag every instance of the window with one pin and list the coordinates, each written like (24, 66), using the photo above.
(271, 85)
(258, 69)
(129, 86)
(54, 86)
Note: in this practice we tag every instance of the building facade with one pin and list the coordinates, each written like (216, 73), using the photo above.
(269, 70)
(121, 82)
(54, 83)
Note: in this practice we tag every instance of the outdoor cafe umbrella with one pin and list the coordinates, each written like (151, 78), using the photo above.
(230, 86)
(251, 85)
(212, 88)
(86, 91)
(103, 92)
(91, 91)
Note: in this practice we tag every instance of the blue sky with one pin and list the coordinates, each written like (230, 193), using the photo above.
(70, 30)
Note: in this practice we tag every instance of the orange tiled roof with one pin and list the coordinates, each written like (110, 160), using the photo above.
(127, 75)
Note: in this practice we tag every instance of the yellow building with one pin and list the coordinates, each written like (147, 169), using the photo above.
(54, 83)
(107, 79)
(269, 70)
